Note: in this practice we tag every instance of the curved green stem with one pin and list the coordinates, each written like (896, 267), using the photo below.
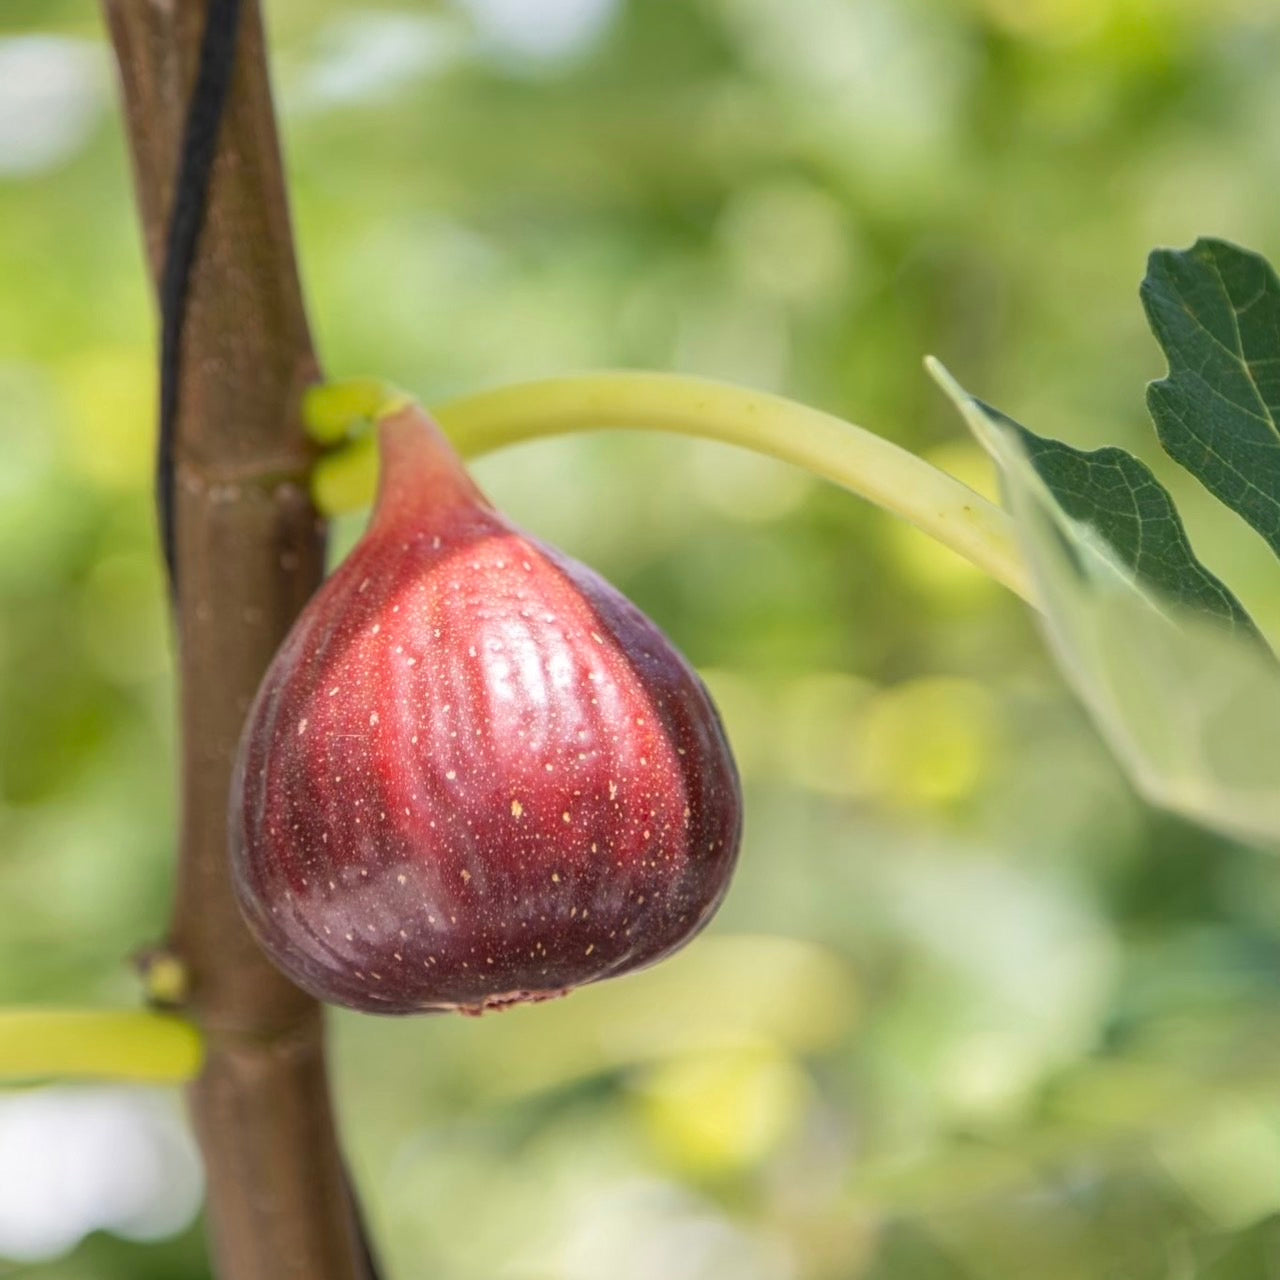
(861, 461)
(120, 1044)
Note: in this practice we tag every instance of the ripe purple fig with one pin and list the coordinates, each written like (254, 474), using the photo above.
(474, 774)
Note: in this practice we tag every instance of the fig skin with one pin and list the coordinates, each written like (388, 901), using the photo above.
(474, 774)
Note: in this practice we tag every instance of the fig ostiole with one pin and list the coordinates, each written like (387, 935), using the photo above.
(474, 774)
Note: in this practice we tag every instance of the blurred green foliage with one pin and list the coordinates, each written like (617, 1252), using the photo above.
(971, 1011)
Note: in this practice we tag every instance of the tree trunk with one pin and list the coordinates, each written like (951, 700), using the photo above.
(249, 551)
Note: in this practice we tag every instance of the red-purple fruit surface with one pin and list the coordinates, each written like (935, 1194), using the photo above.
(474, 774)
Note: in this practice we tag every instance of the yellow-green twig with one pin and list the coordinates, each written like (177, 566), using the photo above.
(866, 464)
(123, 1044)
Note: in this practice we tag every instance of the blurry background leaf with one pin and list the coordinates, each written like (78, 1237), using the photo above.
(1215, 309)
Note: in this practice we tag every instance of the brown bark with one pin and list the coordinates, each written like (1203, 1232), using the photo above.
(249, 553)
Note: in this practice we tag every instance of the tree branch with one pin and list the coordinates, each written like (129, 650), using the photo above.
(249, 552)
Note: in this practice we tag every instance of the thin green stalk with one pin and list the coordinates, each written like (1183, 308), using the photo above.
(123, 1044)
(827, 446)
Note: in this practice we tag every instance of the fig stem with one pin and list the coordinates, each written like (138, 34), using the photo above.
(828, 446)
(99, 1044)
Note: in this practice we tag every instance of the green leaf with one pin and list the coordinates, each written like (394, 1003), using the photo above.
(1113, 493)
(1215, 310)
(1118, 500)
(1187, 704)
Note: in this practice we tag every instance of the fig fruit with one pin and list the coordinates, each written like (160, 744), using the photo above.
(474, 774)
